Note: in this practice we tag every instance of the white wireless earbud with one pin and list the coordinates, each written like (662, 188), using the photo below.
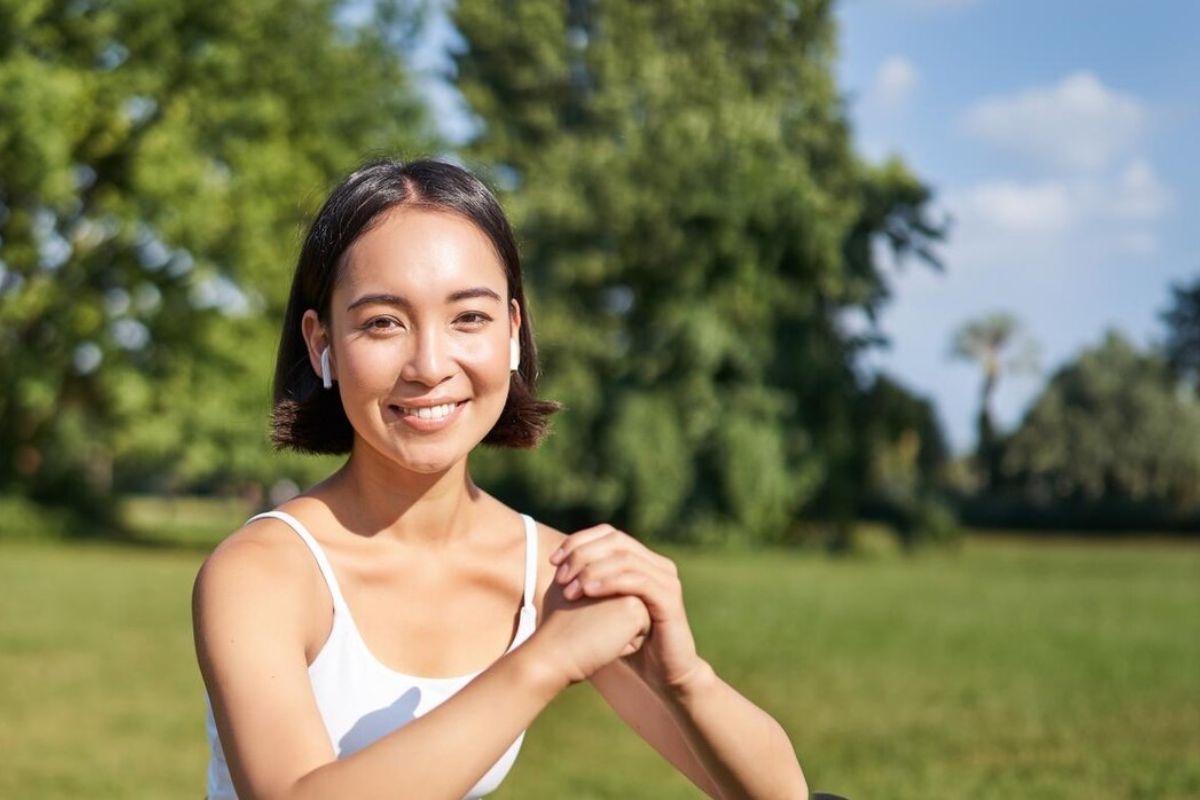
(514, 354)
(326, 377)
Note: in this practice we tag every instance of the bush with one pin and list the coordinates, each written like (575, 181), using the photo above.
(22, 519)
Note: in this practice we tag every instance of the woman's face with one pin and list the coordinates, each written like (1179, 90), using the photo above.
(420, 332)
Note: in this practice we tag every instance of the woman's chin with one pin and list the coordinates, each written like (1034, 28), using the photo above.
(428, 460)
(428, 467)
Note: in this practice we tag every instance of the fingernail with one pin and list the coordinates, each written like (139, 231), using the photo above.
(562, 572)
(555, 556)
(572, 587)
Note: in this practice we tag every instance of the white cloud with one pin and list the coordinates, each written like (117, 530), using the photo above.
(1078, 124)
(1014, 207)
(1098, 187)
(894, 82)
(1123, 203)
(1139, 195)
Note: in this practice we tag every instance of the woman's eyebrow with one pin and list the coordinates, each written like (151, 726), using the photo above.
(397, 300)
(467, 294)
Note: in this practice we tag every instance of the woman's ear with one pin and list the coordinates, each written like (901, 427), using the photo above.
(514, 316)
(316, 339)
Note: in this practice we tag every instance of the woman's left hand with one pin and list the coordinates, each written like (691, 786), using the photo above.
(601, 561)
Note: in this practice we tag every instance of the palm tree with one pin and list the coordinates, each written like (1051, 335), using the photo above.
(990, 341)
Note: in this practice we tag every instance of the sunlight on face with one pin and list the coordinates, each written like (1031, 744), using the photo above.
(420, 318)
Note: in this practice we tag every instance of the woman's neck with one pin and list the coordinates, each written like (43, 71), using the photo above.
(386, 502)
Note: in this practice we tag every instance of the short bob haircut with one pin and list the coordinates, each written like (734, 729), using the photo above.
(309, 418)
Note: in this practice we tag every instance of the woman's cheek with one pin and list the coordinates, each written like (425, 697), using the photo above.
(484, 358)
(373, 371)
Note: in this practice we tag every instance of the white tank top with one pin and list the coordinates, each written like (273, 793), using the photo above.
(360, 699)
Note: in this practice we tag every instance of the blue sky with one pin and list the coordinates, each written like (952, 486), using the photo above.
(1062, 138)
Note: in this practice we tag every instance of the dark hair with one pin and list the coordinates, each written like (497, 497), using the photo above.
(309, 418)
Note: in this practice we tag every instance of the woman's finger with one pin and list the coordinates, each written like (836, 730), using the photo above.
(580, 537)
(596, 571)
(606, 532)
(660, 597)
(607, 549)
(634, 645)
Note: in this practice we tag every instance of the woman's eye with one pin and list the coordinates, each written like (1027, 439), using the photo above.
(474, 318)
(380, 324)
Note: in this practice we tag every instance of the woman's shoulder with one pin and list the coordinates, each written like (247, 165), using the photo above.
(263, 556)
(548, 537)
(254, 612)
(267, 539)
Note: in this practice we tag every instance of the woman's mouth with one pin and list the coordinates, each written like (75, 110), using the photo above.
(428, 418)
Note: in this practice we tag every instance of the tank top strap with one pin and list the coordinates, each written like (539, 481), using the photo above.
(335, 590)
(531, 551)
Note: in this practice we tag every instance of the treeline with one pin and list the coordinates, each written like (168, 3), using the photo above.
(1111, 444)
(702, 247)
(695, 224)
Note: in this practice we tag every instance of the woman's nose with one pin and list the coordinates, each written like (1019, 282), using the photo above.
(428, 361)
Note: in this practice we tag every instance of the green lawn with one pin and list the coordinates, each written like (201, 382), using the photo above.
(1008, 669)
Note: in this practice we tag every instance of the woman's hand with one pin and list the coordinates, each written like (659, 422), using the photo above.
(602, 561)
(580, 636)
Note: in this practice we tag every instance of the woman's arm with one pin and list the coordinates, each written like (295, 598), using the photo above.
(249, 607)
(743, 749)
(675, 726)
(445, 752)
(738, 746)
(646, 714)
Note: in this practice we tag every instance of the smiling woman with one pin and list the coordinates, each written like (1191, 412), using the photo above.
(392, 631)
(424, 343)
(413, 204)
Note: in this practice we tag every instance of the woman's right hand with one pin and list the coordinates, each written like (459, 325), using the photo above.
(580, 636)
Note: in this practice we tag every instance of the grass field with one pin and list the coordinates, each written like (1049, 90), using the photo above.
(1010, 668)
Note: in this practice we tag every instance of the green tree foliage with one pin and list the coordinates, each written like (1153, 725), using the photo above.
(997, 343)
(902, 461)
(695, 227)
(1114, 425)
(156, 162)
(1182, 319)
(911, 449)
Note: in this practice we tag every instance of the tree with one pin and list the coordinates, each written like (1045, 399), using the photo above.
(156, 162)
(990, 342)
(1183, 331)
(1110, 426)
(903, 456)
(694, 225)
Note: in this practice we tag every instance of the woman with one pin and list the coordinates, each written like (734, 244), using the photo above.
(394, 630)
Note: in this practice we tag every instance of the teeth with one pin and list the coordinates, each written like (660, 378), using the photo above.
(433, 412)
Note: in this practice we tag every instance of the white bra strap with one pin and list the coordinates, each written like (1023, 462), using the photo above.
(322, 562)
(531, 551)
